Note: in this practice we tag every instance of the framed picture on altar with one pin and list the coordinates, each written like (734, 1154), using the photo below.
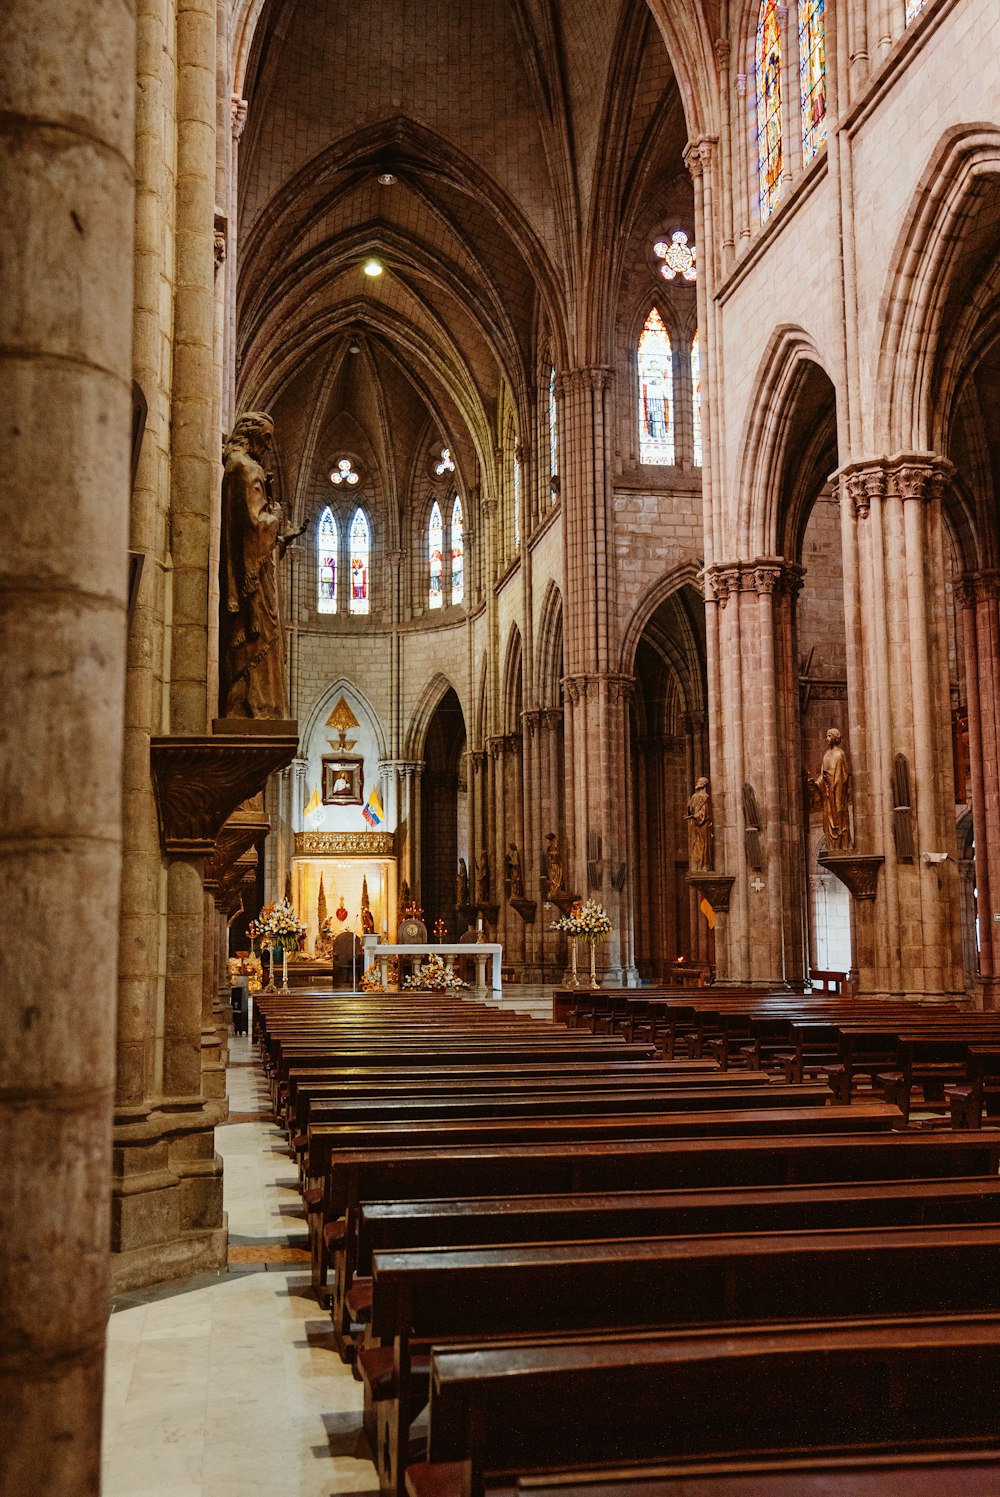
(343, 781)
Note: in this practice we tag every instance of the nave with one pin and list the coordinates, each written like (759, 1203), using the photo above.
(752, 1282)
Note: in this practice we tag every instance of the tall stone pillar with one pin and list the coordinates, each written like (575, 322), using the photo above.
(909, 933)
(978, 595)
(67, 79)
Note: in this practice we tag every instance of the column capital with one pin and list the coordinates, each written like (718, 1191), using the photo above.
(906, 475)
(978, 587)
(698, 154)
(407, 769)
(583, 684)
(592, 378)
(532, 721)
(238, 108)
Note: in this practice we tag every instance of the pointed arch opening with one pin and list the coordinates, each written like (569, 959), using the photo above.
(327, 542)
(770, 155)
(655, 366)
(360, 537)
(457, 552)
(435, 558)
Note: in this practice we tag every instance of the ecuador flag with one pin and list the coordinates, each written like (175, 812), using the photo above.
(373, 813)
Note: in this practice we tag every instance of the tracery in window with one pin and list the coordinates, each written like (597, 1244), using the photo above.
(553, 430)
(435, 557)
(343, 472)
(327, 541)
(696, 397)
(678, 257)
(812, 75)
(517, 501)
(769, 150)
(656, 407)
(457, 552)
(360, 541)
(912, 9)
(445, 464)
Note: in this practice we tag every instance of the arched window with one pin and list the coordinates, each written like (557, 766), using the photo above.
(656, 394)
(327, 541)
(457, 552)
(553, 430)
(696, 396)
(360, 549)
(435, 557)
(812, 75)
(517, 501)
(769, 158)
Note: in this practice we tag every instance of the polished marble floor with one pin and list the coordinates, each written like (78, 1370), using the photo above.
(227, 1385)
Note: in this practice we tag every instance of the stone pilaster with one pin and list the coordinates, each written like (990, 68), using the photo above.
(978, 595)
(909, 936)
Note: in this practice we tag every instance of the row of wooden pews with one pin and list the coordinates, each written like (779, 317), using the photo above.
(559, 1260)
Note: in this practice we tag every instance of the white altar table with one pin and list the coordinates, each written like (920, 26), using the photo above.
(377, 954)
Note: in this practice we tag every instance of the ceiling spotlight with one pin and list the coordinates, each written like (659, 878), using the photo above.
(386, 179)
(372, 267)
(353, 348)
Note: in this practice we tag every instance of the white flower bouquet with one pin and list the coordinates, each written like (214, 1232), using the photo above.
(434, 977)
(278, 926)
(589, 921)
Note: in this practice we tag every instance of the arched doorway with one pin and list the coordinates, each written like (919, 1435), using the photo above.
(444, 814)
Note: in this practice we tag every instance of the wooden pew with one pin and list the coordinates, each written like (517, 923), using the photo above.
(870, 1387)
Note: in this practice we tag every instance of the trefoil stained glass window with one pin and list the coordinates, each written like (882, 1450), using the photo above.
(656, 403)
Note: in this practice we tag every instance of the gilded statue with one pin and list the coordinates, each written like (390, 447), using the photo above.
(513, 875)
(701, 832)
(252, 644)
(462, 885)
(834, 785)
(553, 865)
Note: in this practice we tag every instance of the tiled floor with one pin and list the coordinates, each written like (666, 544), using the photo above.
(227, 1385)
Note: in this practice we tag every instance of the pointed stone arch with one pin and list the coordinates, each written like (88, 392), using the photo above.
(549, 650)
(427, 704)
(360, 704)
(512, 682)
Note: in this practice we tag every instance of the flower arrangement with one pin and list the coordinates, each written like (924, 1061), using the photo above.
(278, 926)
(590, 921)
(434, 977)
(369, 981)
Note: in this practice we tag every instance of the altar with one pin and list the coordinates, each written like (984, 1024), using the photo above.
(379, 954)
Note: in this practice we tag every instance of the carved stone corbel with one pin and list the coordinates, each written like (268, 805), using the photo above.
(200, 781)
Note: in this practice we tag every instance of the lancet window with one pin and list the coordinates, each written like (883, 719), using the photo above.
(360, 548)
(912, 9)
(812, 75)
(769, 84)
(553, 431)
(656, 403)
(327, 541)
(516, 491)
(435, 557)
(696, 398)
(457, 552)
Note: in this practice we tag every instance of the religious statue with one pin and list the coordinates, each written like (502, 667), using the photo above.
(252, 644)
(482, 879)
(513, 876)
(834, 785)
(553, 864)
(701, 835)
(367, 918)
(462, 886)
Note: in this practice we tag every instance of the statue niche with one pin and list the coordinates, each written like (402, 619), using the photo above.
(252, 643)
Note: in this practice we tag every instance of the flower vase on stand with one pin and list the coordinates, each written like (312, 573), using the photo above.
(593, 970)
(284, 969)
(574, 980)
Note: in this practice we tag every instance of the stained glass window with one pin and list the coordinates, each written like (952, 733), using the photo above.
(517, 501)
(769, 159)
(445, 464)
(553, 429)
(696, 396)
(435, 557)
(812, 75)
(457, 552)
(656, 405)
(360, 549)
(326, 563)
(679, 258)
(344, 473)
(912, 9)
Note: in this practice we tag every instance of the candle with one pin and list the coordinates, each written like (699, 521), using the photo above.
(479, 923)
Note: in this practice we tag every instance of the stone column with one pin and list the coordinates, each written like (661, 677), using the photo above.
(978, 595)
(67, 79)
(894, 532)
